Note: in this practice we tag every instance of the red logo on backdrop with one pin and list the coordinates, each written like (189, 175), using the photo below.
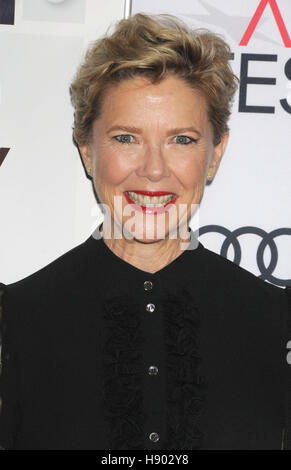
(255, 19)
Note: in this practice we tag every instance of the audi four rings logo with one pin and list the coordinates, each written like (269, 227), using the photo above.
(267, 239)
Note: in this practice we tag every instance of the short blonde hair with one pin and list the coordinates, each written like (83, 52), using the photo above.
(154, 46)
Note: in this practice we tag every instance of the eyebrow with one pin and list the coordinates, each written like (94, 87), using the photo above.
(175, 130)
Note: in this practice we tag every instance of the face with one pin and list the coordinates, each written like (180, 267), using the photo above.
(155, 138)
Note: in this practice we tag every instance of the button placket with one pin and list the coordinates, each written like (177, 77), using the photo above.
(148, 286)
(153, 429)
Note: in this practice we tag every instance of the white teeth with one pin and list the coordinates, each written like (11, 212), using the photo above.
(149, 200)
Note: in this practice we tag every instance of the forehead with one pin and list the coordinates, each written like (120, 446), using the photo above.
(139, 99)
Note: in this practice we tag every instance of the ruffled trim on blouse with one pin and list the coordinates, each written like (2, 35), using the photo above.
(186, 388)
(123, 398)
(123, 392)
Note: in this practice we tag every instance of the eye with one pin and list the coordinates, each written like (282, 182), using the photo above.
(123, 139)
(182, 138)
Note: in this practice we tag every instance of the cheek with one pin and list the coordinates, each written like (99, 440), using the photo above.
(191, 171)
(112, 168)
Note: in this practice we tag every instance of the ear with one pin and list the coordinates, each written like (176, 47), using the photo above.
(86, 155)
(218, 152)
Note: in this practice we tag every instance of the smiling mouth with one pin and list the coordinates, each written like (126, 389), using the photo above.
(150, 199)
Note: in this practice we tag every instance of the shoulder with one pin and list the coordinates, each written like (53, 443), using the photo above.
(42, 285)
(244, 313)
(53, 295)
(242, 287)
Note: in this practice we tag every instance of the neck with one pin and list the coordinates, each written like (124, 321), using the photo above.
(149, 255)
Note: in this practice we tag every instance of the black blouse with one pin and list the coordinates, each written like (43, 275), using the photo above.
(98, 354)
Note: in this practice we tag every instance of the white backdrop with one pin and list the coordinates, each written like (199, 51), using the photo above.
(47, 204)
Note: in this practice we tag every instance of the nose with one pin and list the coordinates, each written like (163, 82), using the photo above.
(153, 164)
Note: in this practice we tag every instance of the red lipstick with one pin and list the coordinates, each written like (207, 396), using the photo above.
(151, 209)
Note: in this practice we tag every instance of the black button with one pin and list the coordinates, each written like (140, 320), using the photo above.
(148, 285)
(154, 436)
(153, 370)
(150, 307)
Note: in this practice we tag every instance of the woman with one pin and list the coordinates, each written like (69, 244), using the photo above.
(140, 337)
